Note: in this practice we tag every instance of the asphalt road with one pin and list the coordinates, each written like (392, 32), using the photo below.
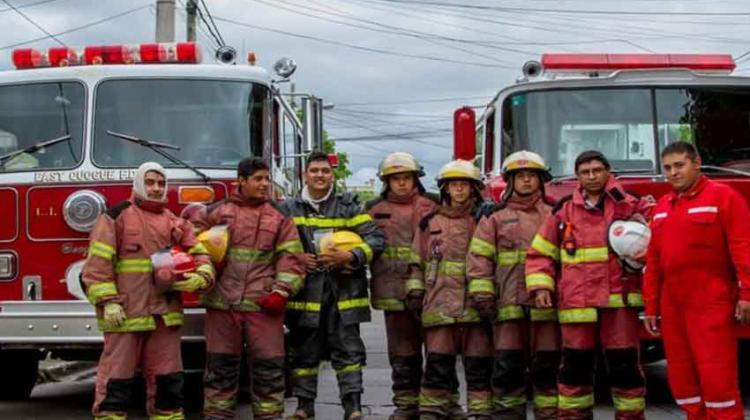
(72, 399)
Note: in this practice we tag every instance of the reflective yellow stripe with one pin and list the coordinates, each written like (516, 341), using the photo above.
(215, 302)
(206, 269)
(538, 315)
(401, 253)
(480, 404)
(199, 248)
(100, 249)
(141, 323)
(509, 401)
(540, 280)
(353, 303)
(575, 315)
(356, 367)
(576, 403)
(482, 247)
(629, 404)
(427, 400)
(403, 400)
(634, 300)
(452, 268)
(322, 222)
(545, 247)
(470, 315)
(512, 257)
(545, 401)
(365, 247)
(508, 312)
(219, 404)
(268, 407)
(432, 319)
(100, 290)
(482, 285)
(414, 284)
(294, 280)
(176, 415)
(293, 246)
(304, 372)
(586, 255)
(388, 304)
(303, 306)
(173, 318)
(134, 265)
(250, 255)
(110, 417)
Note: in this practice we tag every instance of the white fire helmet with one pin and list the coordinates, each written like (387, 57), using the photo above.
(629, 238)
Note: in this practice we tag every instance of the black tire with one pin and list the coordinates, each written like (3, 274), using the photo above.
(20, 369)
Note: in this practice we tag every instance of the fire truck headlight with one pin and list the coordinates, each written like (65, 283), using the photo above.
(82, 208)
(7, 266)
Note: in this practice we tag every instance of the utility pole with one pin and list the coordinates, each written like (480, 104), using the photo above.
(165, 20)
(192, 13)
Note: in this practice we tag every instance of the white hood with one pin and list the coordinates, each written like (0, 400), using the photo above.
(139, 183)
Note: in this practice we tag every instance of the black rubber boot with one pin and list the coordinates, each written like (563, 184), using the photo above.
(305, 410)
(352, 406)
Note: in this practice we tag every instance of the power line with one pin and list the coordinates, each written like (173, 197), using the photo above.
(416, 101)
(27, 5)
(362, 48)
(78, 28)
(214, 35)
(566, 11)
(216, 28)
(31, 21)
(411, 135)
(202, 31)
(394, 114)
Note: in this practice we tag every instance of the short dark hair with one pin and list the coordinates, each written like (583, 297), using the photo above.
(590, 155)
(317, 156)
(681, 147)
(250, 165)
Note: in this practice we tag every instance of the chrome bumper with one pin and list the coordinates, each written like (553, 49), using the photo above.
(68, 322)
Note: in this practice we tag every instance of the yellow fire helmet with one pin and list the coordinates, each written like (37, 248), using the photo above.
(216, 241)
(342, 240)
(399, 162)
(459, 169)
(523, 159)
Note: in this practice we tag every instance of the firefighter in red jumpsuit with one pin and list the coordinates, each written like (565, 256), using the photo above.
(452, 326)
(397, 212)
(698, 281)
(264, 267)
(141, 318)
(524, 336)
(598, 299)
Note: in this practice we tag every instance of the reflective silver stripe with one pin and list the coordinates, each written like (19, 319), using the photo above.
(661, 215)
(685, 401)
(705, 209)
(720, 404)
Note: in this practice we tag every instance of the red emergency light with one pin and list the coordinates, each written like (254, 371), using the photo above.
(637, 61)
(181, 52)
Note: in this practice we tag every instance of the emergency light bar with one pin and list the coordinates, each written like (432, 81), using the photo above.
(153, 53)
(637, 61)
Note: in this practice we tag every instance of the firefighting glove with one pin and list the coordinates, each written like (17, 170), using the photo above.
(274, 303)
(114, 315)
(414, 301)
(484, 303)
(192, 282)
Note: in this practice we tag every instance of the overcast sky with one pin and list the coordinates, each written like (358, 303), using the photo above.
(398, 66)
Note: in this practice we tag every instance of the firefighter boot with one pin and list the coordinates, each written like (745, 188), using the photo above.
(305, 410)
(352, 406)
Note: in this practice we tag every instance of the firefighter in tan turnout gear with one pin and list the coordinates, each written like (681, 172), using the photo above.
(397, 212)
(264, 267)
(526, 338)
(140, 313)
(451, 324)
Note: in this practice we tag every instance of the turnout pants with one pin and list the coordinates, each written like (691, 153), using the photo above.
(333, 340)
(157, 353)
(440, 384)
(404, 332)
(264, 336)
(526, 348)
(617, 331)
(701, 349)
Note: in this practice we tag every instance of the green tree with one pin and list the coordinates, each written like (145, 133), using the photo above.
(342, 172)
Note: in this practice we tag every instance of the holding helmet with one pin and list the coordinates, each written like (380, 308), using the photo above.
(629, 240)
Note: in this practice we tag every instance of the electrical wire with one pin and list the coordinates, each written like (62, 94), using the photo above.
(216, 28)
(27, 5)
(214, 35)
(415, 101)
(78, 28)
(31, 21)
(360, 47)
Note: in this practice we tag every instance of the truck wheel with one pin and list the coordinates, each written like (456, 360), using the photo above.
(19, 375)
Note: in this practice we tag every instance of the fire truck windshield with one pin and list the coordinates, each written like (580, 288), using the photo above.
(34, 113)
(214, 122)
(630, 125)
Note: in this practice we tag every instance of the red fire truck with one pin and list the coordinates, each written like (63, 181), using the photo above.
(629, 106)
(74, 125)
